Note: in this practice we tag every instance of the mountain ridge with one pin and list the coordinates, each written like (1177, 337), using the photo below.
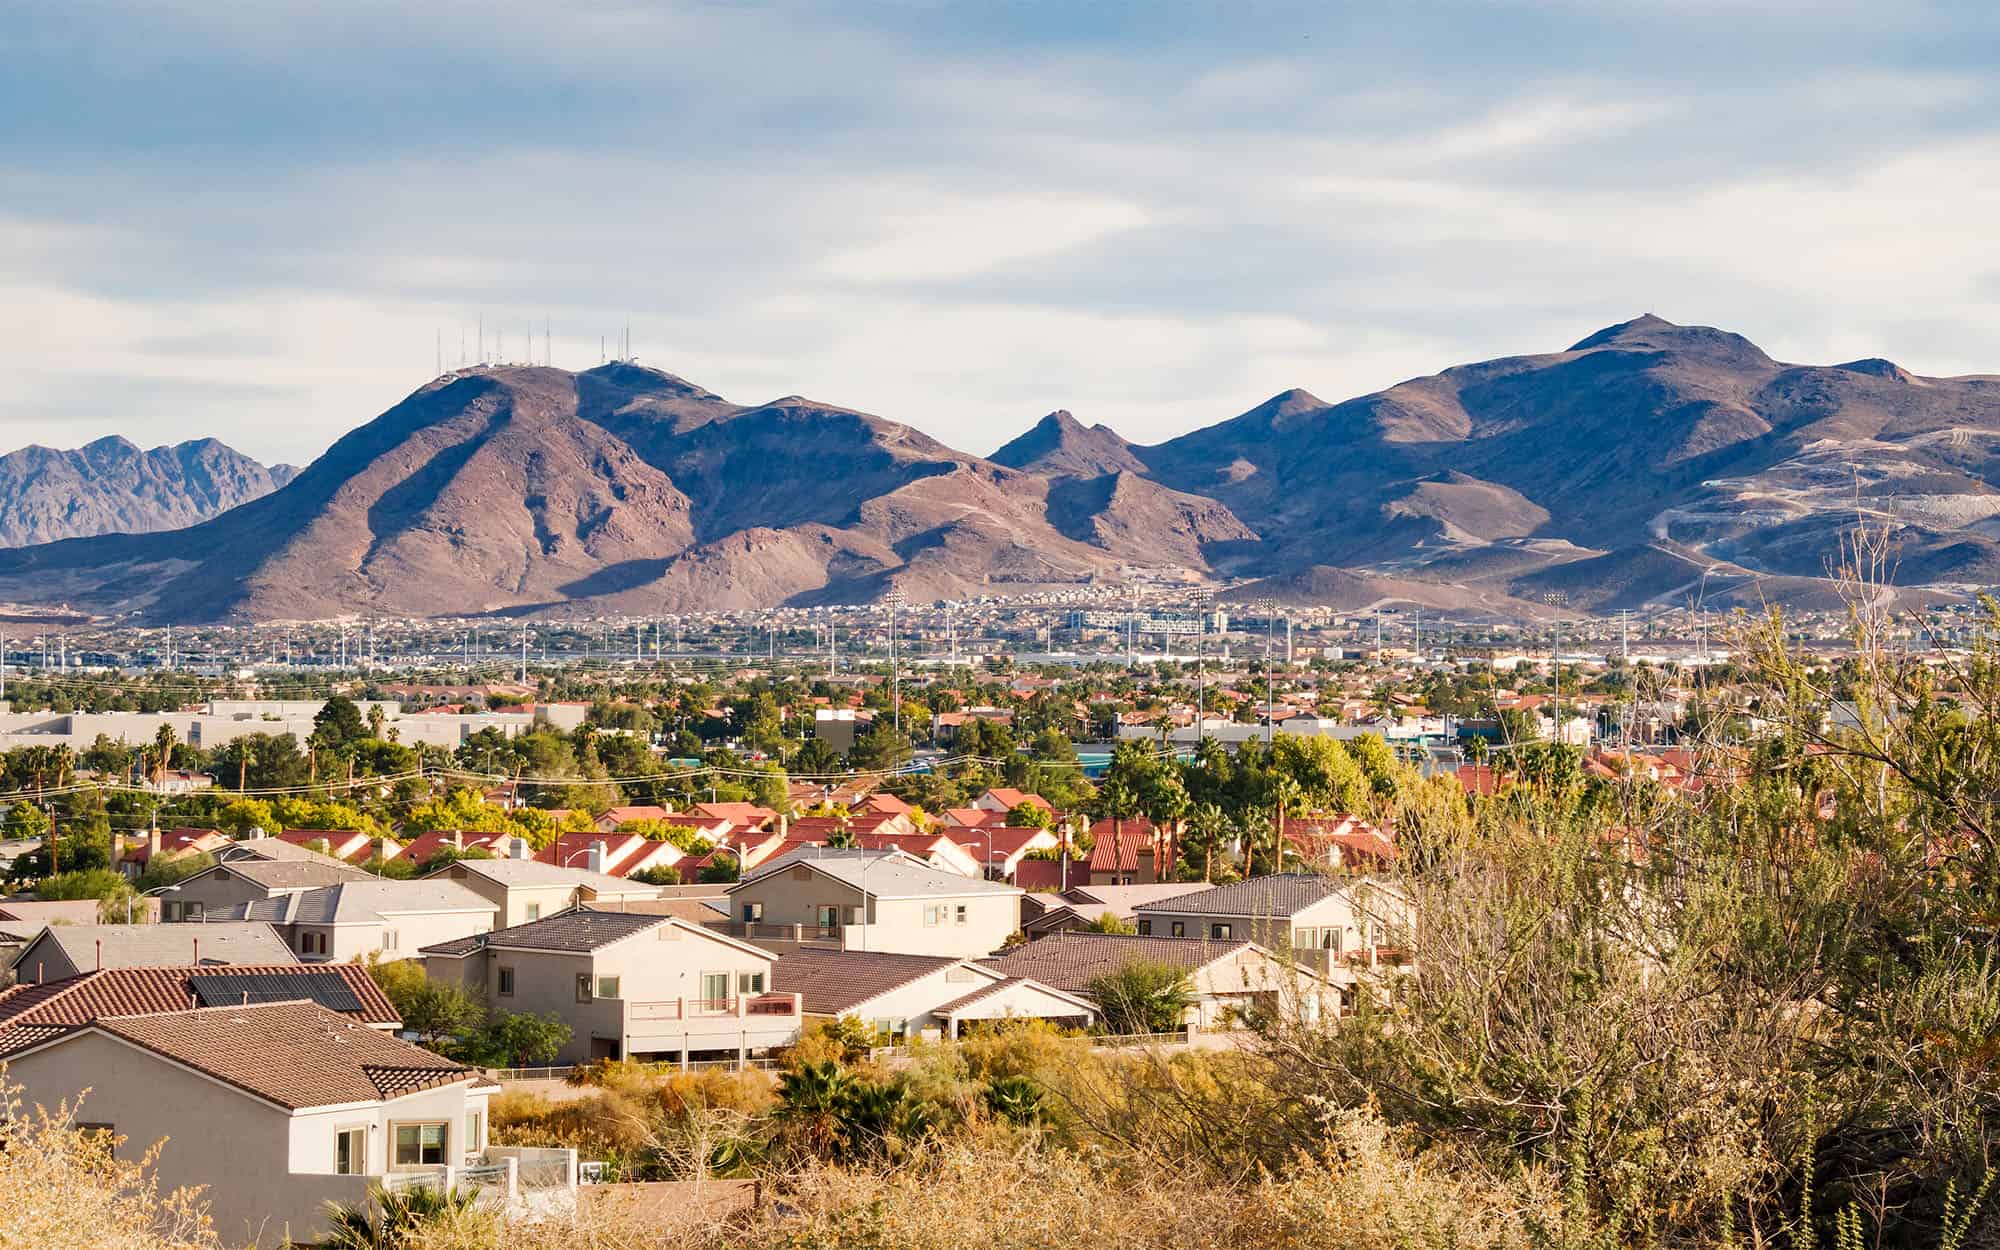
(111, 485)
(1610, 468)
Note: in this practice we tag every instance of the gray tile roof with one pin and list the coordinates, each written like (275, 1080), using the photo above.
(1278, 894)
(834, 982)
(1071, 961)
(363, 902)
(578, 929)
(93, 946)
(883, 874)
(283, 874)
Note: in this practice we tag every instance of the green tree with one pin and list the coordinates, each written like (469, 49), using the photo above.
(1142, 997)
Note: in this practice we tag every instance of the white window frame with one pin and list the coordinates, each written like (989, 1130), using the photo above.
(608, 987)
(749, 983)
(396, 1128)
(359, 1158)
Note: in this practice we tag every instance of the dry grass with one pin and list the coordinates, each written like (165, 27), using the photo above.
(65, 1190)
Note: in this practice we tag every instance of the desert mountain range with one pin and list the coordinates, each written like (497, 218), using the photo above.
(112, 487)
(1646, 460)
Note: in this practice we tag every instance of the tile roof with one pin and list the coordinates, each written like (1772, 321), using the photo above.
(1123, 898)
(363, 902)
(528, 873)
(577, 929)
(137, 991)
(282, 874)
(1118, 843)
(296, 1054)
(1071, 961)
(833, 982)
(90, 947)
(883, 874)
(1275, 894)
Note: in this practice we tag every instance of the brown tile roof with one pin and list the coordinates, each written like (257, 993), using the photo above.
(1071, 961)
(294, 1054)
(92, 996)
(835, 981)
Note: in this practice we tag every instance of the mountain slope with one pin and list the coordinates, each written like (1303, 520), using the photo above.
(1645, 433)
(1647, 463)
(621, 489)
(112, 487)
(1061, 446)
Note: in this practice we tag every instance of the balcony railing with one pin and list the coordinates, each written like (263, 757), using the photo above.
(738, 1007)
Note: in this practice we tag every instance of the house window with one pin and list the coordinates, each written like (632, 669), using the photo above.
(1220, 932)
(421, 1145)
(389, 939)
(350, 1152)
(583, 987)
(1304, 938)
(715, 988)
(827, 916)
(170, 912)
(749, 983)
(192, 910)
(959, 916)
(752, 913)
(607, 987)
(850, 915)
(891, 1031)
(1145, 928)
(1333, 938)
(474, 1139)
(534, 911)
(506, 983)
(1178, 928)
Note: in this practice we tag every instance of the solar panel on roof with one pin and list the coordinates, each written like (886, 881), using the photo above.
(234, 989)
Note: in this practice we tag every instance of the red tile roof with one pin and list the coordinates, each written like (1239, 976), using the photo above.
(1119, 842)
(139, 991)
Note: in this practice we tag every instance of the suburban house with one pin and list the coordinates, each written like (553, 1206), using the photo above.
(1341, 843)
(525, 889)
(29, 1012)
(615, 816)
(1124, 852)
(387, 918)
(1083, 906)
(1002, 847)
(613, 854)
(630, 984)
(1227, 979)
(63, 951)
(742, 815)
(425, 847)
(935, 849)
(873, 901)
(239, 879)
(822, 828)
(292, 1106)
(904, 996)
(134, 856)
(1321, 919)
(1000, 800)
(346, 845)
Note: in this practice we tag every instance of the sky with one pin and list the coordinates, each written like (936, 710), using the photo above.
(258, 220)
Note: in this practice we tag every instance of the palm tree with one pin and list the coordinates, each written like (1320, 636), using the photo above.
(164, 741)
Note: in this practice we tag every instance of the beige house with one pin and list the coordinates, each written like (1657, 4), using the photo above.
(382, 917)
(526, 890)
(277, 1109)
(62, 951)
(884, 901)
(904, 996)
(1227, 980)
(630, 984)
(246, 879)
(1323, 920)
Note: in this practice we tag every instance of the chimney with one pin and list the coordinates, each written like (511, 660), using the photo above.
(784, 823)
(153, 845)
(517, 848)
(594, 858)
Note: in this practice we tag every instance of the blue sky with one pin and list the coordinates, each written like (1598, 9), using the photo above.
(252, 220)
